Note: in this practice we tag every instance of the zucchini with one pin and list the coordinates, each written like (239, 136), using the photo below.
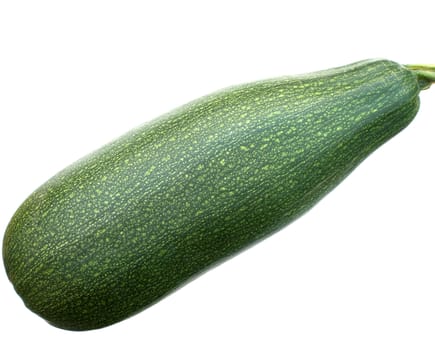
(123, 227)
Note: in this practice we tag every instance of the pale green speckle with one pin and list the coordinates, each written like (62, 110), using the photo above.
(150, 170)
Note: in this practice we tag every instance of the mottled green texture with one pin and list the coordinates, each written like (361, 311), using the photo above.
(121, 228)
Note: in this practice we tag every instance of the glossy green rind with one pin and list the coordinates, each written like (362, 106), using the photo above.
(126, 225)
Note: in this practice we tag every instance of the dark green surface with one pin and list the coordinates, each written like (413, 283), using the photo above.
(121, 228)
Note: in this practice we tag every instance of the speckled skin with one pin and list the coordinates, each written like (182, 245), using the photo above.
(126, 225)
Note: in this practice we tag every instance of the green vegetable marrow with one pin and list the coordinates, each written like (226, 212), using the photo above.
(126, 225)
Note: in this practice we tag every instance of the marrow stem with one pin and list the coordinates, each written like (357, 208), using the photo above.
(425, 74)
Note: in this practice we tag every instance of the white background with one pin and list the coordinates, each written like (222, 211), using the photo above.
(356, 272)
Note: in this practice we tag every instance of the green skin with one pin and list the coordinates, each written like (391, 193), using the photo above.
(121, 228)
